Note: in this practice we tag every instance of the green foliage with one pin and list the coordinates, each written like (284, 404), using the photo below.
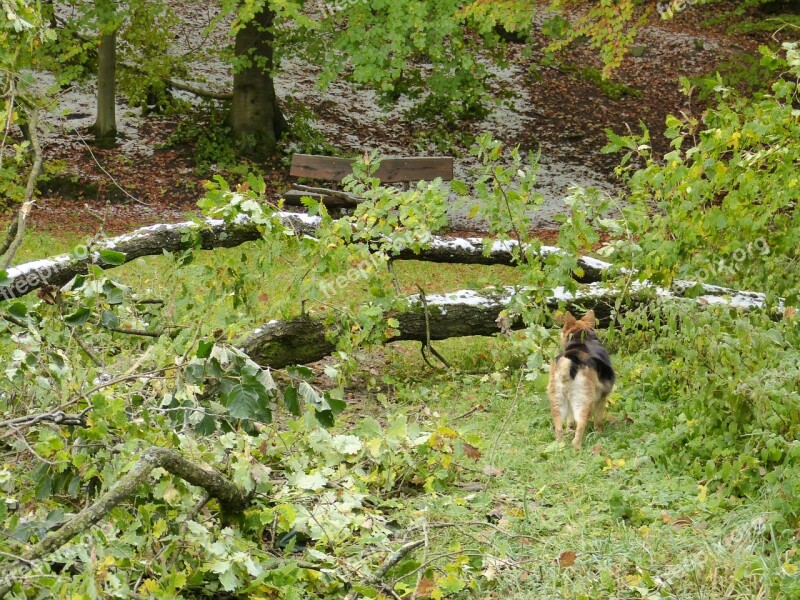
(609, 27)
(728, 185)
(610, 88)
(747, 74)
(208, 132)
(303, 137)
(12, 169)
(723, 416)
(769, 25)
(505, 197)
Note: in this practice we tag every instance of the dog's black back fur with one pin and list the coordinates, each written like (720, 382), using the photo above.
(585, 350)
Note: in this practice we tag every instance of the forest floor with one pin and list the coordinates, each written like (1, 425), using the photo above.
(561, 110)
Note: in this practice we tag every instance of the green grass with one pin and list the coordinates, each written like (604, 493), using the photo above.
(637, 529)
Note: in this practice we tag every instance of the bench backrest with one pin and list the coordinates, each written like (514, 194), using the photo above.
(391, 170)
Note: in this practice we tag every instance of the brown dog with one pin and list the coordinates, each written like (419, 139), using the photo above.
(581, 378)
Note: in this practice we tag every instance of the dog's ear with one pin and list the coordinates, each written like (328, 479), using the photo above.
(566, 319)
(589, 319)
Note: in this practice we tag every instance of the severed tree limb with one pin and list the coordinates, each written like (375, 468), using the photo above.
(156, 239)
(232, 500)
(466, 313)
(202, 92)
(59, 417)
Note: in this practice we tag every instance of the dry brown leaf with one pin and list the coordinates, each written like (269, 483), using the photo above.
(471, 451)
(566, 559)
(425, 587)
(471, 486)
(677, 521)
(495, 514)
(492, 471)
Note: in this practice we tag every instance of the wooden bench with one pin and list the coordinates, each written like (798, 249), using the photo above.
(332, 169)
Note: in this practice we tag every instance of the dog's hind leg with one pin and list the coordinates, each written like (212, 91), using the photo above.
(598, 412)
(558, 402)
(581, 396)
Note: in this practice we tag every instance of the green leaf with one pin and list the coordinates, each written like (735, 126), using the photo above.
(79, 317)
(112, 257)
(242, 402)
(337, 405)
(204, 349)
(300, 372)
(206, 426)
(366, 591)
(18, 309)
(229, 580)
(459, 187)
(325, 418)
(194, 373)
(291, 400)
(109, 319)
(114, 293)
(405, 567)
(4, 278)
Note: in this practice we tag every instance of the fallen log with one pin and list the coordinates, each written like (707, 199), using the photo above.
(213, 233)
(277, 344)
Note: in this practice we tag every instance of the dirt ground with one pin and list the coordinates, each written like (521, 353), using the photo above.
(557, 109)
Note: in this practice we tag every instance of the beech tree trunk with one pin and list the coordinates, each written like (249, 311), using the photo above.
(256, 119)
(105, 127)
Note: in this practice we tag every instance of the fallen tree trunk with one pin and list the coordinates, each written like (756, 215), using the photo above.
(463, 313)
(157, 239)
(232, 499)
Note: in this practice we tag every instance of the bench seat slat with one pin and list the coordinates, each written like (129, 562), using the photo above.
(392, 170)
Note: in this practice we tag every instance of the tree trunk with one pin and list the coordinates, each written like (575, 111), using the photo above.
(105, 127)
(256, 119)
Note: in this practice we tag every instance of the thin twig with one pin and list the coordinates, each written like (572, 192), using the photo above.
(109, 175)
(428, 332)
(89, 352)
(502, 428)
(140, 332)
(468, 413)
(523, 256)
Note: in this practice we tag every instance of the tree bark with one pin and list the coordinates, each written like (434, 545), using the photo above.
(256, 119)
(155, 239)
(105, 127)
